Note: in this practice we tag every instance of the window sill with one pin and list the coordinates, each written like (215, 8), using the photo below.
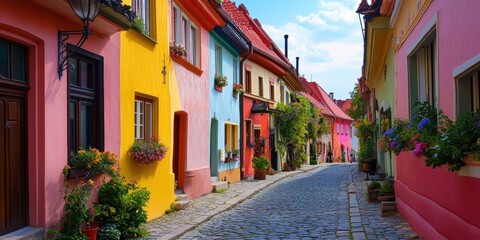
(472, 169)
(145, 35)
(187, 65)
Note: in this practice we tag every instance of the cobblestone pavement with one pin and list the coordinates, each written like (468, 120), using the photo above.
(366, 220)
(320, 202)
(173, 225)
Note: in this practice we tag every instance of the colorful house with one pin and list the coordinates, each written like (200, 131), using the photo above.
(50, 109)
(437, 59)
(226, 45)
(190, 88)
(379, 79)
(341, 125)
(145, 110)
(266, 72)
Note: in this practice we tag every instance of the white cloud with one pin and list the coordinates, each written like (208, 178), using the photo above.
(330, 11)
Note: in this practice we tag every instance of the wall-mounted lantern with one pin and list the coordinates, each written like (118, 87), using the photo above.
(86, 11)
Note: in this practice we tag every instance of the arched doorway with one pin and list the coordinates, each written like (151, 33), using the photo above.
(180, 147)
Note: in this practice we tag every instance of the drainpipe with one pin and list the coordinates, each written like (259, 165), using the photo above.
(242, 118)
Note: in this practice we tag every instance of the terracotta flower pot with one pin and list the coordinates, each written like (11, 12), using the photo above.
(90, 231)
(365, 166)
(260, 174)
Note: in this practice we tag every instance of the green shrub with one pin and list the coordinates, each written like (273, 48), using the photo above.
(260, 162)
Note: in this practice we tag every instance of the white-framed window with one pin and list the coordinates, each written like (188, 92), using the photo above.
(143, 118)
(218, 60)
(421, 71)
(468, 91)
(186, 32)
(142, 9)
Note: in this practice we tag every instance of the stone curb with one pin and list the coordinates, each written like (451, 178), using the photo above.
(177, 233)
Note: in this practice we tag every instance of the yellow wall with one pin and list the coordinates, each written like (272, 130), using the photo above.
(141, 62)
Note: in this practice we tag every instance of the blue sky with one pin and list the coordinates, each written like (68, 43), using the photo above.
(325, 34)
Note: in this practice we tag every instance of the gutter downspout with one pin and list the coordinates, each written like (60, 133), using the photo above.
(242, 118)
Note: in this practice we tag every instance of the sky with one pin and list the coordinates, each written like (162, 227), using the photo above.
(325, 34)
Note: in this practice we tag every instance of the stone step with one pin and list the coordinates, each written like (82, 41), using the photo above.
(182, 197)
(26, 233)
(214, 179)
(179, 191)
(180, 205)
(219, 186)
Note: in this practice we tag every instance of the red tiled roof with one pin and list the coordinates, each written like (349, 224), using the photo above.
(252, 29)
(323, 109)
(345, 105)
(329, 102)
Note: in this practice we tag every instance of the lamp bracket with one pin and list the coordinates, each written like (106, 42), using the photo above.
(63, 55)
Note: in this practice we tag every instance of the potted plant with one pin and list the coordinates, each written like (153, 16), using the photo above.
(373, 190)
(177, 50)
(260, 164)
(386, 192)
(109, 232)
(237, 89)
(76, 219)
(220, 81)
(235, 154)
(147, 151)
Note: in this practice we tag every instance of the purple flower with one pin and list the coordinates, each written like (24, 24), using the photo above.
(419, 148)
(389, 132)
(422, 124)
(410, 126)
(392, 145)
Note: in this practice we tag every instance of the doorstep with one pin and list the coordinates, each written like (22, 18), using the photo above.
(26, 233)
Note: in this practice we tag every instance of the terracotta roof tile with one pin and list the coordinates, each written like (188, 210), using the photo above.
(329, 102)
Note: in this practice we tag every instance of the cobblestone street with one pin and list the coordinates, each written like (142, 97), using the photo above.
(301, 205)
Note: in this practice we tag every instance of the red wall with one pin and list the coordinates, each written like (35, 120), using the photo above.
(257, 118)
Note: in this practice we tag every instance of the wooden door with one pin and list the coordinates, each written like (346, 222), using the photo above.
(13, 165)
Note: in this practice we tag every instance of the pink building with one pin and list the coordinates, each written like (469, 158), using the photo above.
(47, 117)
(437, 49)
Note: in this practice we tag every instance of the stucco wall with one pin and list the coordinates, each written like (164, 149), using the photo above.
(223, 106)
(142, 61)
(439, 204)
(37, 27)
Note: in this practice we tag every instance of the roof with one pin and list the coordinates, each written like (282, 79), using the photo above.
(329, 102)
(323, 109)
(345, 104)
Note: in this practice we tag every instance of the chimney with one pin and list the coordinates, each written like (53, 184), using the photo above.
(297, 64)
(286, 45)
(331, 95)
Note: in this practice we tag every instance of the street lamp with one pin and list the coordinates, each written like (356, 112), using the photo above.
(86, 11)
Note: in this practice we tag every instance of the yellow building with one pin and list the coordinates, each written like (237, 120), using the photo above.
(145, 100)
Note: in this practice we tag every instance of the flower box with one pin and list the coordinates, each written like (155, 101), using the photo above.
(147, 151)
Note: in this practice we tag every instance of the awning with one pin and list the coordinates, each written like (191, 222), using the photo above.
(262, 108)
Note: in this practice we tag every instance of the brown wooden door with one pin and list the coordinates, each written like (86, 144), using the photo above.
(13, 165)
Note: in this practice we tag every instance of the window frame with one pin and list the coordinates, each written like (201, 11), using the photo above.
(248, 81)
(272, 91)
(471, 99)
(10, 67)
(235, 70)
(143, 9)
(231, 136)
(260, 86)
(148, 131)
(422, 62)
(248, 131)
(218, 59)
(183, 29)
(81, 95)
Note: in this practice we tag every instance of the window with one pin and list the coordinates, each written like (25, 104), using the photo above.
(338, 128)
(282, 93)
(186, 32)
(231, 137)
(272, 92)
(248, 132)
(287, 94)
(347, 129)
(468, 91)
(235, 70)
(13, 63)
(142, 9)
(85, 101)
(422, 79)
(260, 86)
(248, 81)
(143, 118)
(218, 60)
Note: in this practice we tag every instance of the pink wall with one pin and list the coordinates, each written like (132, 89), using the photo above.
(339, 139)
(194, 99)
(439, 204)
(37, 27)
